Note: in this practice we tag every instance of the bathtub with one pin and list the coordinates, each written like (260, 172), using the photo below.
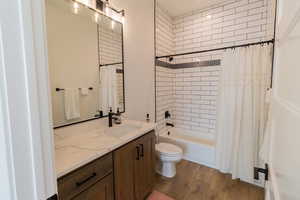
(195, 149)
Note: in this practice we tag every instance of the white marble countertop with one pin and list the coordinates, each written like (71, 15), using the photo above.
(82, 143)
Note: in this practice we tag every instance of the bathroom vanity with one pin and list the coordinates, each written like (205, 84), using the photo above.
(86, 63)
(97, 162)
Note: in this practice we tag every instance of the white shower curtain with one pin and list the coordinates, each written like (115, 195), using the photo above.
(108, 89)
(242, 109)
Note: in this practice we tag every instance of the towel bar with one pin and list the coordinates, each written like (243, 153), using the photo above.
(61, 89)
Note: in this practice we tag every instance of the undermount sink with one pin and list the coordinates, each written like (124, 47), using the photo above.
(122, 130)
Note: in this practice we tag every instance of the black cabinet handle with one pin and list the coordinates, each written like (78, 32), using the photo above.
(142, 152)
(137, 153)
(78, 184)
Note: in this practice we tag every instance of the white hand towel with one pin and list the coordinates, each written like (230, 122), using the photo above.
(84, 91)
(108, 89)
(72, 107)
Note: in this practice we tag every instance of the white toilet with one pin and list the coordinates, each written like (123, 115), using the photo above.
(168, 155)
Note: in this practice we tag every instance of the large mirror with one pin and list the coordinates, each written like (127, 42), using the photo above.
(85, 52)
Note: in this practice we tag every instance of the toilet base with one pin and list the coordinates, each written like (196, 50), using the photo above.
(166, 168)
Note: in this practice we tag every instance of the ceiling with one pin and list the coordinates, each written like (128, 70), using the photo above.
(179, 7)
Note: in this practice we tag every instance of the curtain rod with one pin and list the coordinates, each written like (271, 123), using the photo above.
(117, 63)
(218, 49)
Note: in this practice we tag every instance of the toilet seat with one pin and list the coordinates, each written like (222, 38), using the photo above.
(169, 150)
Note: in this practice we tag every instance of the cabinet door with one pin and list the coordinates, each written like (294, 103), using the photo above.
(102, 190)
(124, 159)
(145, 166)
(134, 166)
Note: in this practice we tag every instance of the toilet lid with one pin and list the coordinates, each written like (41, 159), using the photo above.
(169, 149)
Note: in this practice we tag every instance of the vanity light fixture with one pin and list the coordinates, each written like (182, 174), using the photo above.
(100, 7)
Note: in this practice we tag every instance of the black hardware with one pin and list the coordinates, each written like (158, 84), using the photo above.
(99, 5)
(169, 124)
(119, 71)
(110, 118)
(142, 151)
(78, 184)
(137, 153)
(109, 64)
(171, 58)
(100, 114)
(167, 114)
(261, 170)
(169, 133)
(61, 89)
(54, 197)
(218, 49)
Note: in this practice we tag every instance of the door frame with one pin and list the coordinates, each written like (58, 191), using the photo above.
(26, 135)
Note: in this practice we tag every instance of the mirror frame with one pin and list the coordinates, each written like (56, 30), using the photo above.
(123, 75)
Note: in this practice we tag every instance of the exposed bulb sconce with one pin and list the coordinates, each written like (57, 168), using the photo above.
(123, 16)
(106, 10)
(96, 17)
(208, 16)
(75, 7)
(112, 24)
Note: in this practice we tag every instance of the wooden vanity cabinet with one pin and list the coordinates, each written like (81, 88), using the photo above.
(93, 181)
(126, 174)
(134, 168)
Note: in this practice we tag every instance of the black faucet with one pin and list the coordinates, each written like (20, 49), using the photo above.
(169, 124)
(111, 118)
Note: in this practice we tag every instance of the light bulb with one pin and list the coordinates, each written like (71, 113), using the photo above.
(112, 24)
(96, 17)
(208, 16)
(107, 10)
(75, 7)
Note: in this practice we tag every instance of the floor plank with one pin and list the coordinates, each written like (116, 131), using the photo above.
(197, 182)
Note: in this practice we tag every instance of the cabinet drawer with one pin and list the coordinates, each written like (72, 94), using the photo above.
(102, 190)
(81, 179)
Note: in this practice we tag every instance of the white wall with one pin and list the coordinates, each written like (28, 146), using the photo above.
(139, 57)
(25, 107)
(285, 145)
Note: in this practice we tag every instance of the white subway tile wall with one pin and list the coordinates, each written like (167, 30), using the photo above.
(195, 96)
(233, 23)
(164, 32)
(110, 51)
(191, 94)
(110, 44)
(164, 95)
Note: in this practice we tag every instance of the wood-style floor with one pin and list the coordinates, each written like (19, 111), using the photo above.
(197, 182)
